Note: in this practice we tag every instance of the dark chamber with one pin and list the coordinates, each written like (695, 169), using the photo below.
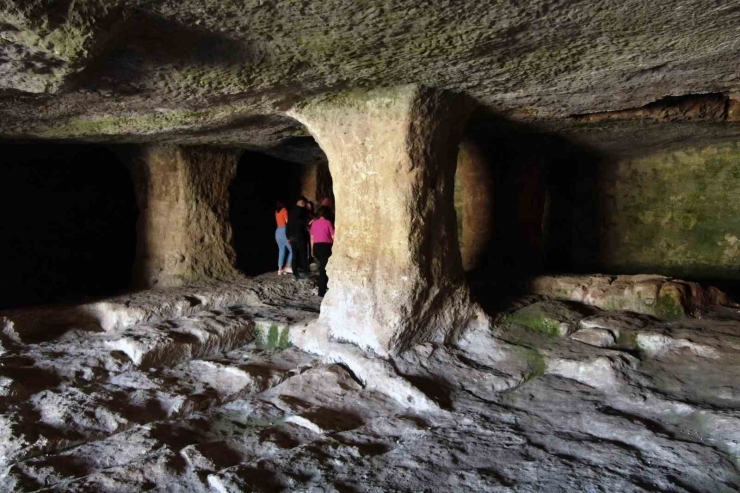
(260, 181)
(69, 226)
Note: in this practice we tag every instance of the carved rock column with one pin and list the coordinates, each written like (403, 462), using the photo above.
(396, 276)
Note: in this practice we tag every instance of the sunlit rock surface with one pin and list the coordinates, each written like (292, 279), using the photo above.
(507, 408)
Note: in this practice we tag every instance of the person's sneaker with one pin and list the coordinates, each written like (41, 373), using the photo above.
(288, 270)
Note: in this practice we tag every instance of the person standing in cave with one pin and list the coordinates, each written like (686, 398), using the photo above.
(297, 230)
(329, 203)
(322, 239)
(311, 212)
(281, 218)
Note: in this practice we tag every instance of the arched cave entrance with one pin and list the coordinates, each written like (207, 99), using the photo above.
(69, 226)
(297, 168)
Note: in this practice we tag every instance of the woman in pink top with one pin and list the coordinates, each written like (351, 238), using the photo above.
(322, 239)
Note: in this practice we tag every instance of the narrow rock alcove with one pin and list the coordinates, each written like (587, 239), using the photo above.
(68, 231)
(474, 203)
(513, 195)
(534, 203)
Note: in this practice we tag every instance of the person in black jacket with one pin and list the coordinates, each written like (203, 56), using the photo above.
(297, 231)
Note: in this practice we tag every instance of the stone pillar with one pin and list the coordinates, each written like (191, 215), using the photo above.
(316, 182)
(396, 277)
(183, 232)
(308, 181)
(475, 178)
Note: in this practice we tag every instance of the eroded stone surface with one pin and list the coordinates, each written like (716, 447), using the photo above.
(45, 44)
(191, 71)
(596, 337)
(183, 231)
(395, 275)
(155, 306)
(652, 295)
(495, 411)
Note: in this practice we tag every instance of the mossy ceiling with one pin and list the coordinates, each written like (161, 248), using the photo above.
(223, 71)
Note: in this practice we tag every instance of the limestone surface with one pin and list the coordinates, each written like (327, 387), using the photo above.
(221, 72)
(660, 296)
(675, 212)
(183, 231)
(474, 192)
(501, 409)
(396, 274)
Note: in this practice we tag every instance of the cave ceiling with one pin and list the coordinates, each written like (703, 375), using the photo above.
(222, 72)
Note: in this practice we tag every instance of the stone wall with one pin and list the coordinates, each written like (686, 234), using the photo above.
(316, 182)
(183, 233)
(675, 214)
(395, 277)
(531, 203)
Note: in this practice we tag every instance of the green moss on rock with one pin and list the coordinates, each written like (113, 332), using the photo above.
(540, 324)
(536, 364)
(133, 124)
(669, 307)
(675, 214)
(544, 317)
(627, 340)
(272, 337)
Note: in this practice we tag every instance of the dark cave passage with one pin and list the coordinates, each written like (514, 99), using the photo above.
(261, 181)
(69, 226)
(556, 207)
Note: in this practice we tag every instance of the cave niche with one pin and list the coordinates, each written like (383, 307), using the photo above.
(69, 229)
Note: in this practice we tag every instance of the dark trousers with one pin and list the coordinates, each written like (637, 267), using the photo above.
(298, 244)
(322, 252)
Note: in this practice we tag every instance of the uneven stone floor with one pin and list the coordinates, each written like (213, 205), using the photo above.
(195, 390)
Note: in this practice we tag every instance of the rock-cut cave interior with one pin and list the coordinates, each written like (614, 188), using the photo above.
(535, 271)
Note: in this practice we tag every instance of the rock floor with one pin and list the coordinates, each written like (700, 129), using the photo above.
(206, 397)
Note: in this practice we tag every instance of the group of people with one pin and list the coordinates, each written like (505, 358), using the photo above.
(304, 233)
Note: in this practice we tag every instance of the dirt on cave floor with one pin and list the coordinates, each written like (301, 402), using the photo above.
(206, 396)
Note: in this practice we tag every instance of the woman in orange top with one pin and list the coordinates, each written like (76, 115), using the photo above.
(281, 218)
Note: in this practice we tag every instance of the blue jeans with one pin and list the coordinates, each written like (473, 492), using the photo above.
(283, 243)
